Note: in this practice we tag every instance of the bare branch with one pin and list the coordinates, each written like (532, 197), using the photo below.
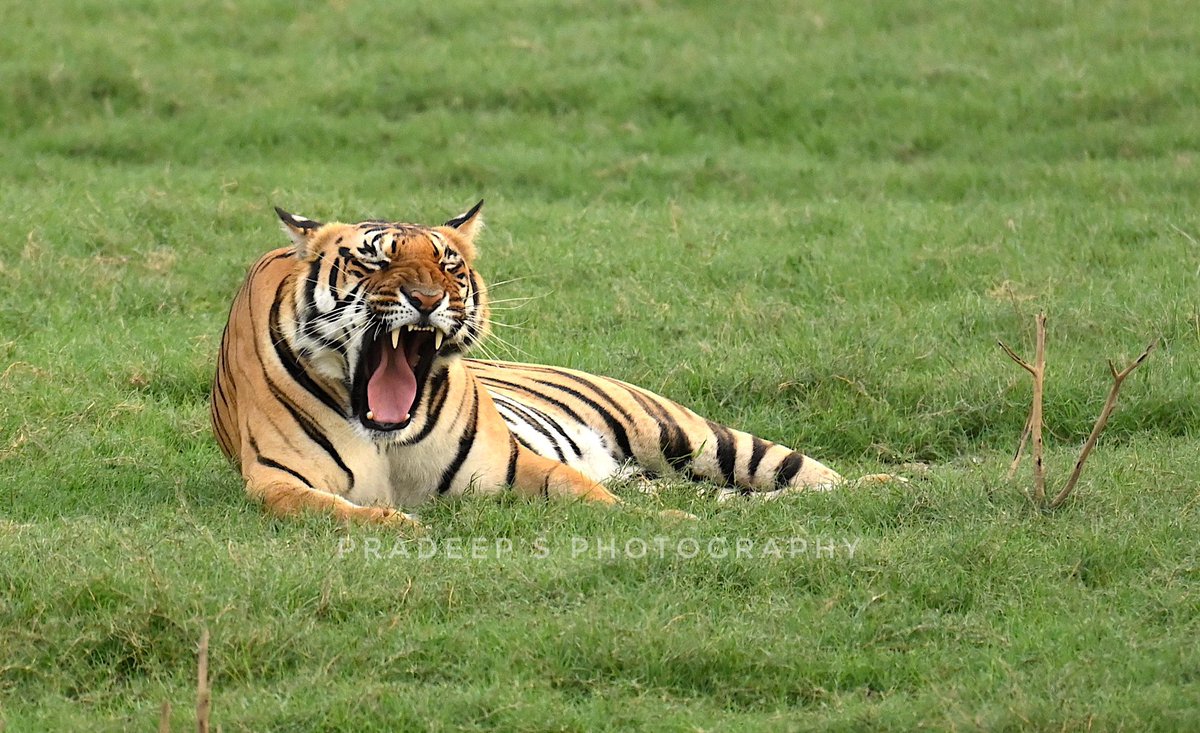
(1138, 362)
(1013, 355)
(1033, 425)
(1016, 461)
(203, 693)
(1109, 404)
(1035, 414)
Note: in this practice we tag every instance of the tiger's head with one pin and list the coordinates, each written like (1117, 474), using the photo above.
(380, 306)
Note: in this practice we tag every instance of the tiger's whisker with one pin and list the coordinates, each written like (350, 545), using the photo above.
(510, 280)
(522, 299)
(511, 325)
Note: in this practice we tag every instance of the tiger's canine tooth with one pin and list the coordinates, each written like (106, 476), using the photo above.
(437, 340)
(370, 415)
(395, 338)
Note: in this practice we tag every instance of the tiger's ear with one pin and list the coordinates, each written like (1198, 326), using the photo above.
(299, 229)
(469, 224)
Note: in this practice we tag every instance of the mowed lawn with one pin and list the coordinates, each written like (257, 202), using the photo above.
(811, 220)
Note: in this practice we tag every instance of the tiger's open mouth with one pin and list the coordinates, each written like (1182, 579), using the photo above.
(391, 376)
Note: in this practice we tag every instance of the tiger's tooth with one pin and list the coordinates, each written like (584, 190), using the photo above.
(437, 340)
(395, 338)
(370, 415)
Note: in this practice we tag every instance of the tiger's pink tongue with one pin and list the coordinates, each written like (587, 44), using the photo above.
(392, 387)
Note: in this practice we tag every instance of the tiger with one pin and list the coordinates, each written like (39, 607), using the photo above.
(344, 386)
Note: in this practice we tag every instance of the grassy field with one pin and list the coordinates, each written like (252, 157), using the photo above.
(812, 220)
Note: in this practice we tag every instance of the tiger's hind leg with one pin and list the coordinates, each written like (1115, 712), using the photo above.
(532, 475)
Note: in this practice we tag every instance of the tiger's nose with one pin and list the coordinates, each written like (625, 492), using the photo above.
(423, 299)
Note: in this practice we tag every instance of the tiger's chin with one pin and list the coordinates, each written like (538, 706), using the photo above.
(391, 376)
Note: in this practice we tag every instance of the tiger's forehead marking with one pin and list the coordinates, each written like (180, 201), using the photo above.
(388, 237)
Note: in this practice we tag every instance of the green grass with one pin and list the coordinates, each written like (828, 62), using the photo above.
(810, 220)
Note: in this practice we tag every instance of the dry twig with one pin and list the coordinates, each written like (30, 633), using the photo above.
(203, 693)
(1016, 461)
(1034, 424)
(1101, 422)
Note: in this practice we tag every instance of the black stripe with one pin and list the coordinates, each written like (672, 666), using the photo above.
(474, 288)
(472, 335)
(310, 429)
(221, 366)
(220, 403)
(465, 441)
(726, 452)
(223, 438)
(757, 452)
(288, 359)
(534, 424)
(618, 430)
(263, 460)
(604, 395)
(522, 442)
(514, 387)
(310, 283)
(301, 419)
(672, 440)
(513, 450)
(351, 295)
(335, 270)
(473, 326)
(217, 414)
(283, 435)
(557, 427)
(218, 391)
(601, 393)
(788, 468)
